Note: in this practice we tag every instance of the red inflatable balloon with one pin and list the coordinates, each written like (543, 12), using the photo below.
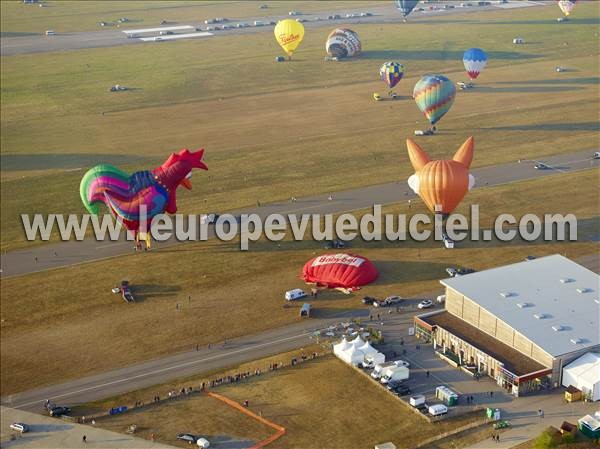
(339, 270)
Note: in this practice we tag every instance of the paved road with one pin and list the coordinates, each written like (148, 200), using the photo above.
(109, 37)
(51, 433)
(155, 372)
(70, 253)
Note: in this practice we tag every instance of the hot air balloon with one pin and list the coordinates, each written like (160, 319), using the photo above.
(289, 34)
(434, 95)
(441, 182)
(474, 60)
(566, 6)
(339, 271)
(124, 195)
(342, 43)
(406, 6)
(391, 73)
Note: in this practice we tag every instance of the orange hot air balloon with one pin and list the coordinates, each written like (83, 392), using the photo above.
(442, 182)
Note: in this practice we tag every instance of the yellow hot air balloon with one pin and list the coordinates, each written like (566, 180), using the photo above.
(289, 34)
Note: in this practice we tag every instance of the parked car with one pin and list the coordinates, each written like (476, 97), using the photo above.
(334, 244)
(166, 33)
(19, 427)
(541, 166)
(50, 33)
(295, 294)
(425, 304)
(441, 299)
(368, 300)
(294, 13)
(59, 411)
(401, 363)
(451, 271)
(263, 6)
(399, 389)
(300, 20)
(258, 23)
(190, 438)
(463, 271)
(596, 155)
(389, 301)
(530, 258)
(227, 27)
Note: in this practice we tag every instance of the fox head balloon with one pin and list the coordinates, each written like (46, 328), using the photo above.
(441, 182)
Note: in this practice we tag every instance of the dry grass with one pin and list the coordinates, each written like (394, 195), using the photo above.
(86, 329)
(277, 130)
(322, 403)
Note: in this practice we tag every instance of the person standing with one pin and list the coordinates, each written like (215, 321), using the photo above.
(84, 439)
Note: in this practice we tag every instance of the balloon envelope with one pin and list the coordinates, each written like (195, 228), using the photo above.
(566, 6)
(434, 95)
(289, 34)
(343, 43)
(406, 6)
(441, 182)
(391, 73)
(340, 270)
(474, 60)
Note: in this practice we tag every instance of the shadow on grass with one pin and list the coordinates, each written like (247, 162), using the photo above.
(526, 89)
(142, 292)
(4, 34)
(15, 162)
(439, 54)
(583, 80)
(579, 126)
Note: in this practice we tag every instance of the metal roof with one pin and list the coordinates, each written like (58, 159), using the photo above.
(552, 301)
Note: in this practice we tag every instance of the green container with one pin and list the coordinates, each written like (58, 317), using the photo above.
(489, 412)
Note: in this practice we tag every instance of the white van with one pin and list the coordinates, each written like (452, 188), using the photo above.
(438, 410)
(415, 401)
(379, 369)
(50, 33)
(297, 293)
(394, 374)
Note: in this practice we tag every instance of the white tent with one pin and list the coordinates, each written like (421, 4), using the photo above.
(352, 356)
(376, 358)
(341, 347)
(357, 342)
(584, 374)
(368, 349)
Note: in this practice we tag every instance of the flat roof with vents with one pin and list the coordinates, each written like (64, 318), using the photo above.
(560, 317)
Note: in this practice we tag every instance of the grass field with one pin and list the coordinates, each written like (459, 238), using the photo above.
(86, 329)
(312, 401)
(276, 130)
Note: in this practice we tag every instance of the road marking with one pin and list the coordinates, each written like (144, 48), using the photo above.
(169, 368)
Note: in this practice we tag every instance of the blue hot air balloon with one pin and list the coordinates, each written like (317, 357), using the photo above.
(406, 6)
(474, 60)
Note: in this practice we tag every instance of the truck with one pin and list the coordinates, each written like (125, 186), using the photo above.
(378, 371)
(417, 401)
(394, 374)
(438, 410)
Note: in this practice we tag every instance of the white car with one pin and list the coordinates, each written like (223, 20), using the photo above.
(402, 363)
(425, 304)
(19, 427)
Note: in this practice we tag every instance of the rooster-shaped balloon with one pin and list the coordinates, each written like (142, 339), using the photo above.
(441, 182)
(124, 195)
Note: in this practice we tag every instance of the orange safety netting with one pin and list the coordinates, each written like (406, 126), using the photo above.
(280, 430)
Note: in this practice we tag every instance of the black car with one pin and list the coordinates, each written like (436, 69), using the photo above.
(463, 271)
(59, 411)
(368, 300)
(190, 438)
(401, 390)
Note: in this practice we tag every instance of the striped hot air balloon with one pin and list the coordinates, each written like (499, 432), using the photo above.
(434, 95)
(391, 73)
(474, 60)
(343, 43)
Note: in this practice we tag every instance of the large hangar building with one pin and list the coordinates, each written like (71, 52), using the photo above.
(519, 324)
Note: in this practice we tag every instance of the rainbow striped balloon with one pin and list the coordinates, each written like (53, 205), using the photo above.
(434, 95)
